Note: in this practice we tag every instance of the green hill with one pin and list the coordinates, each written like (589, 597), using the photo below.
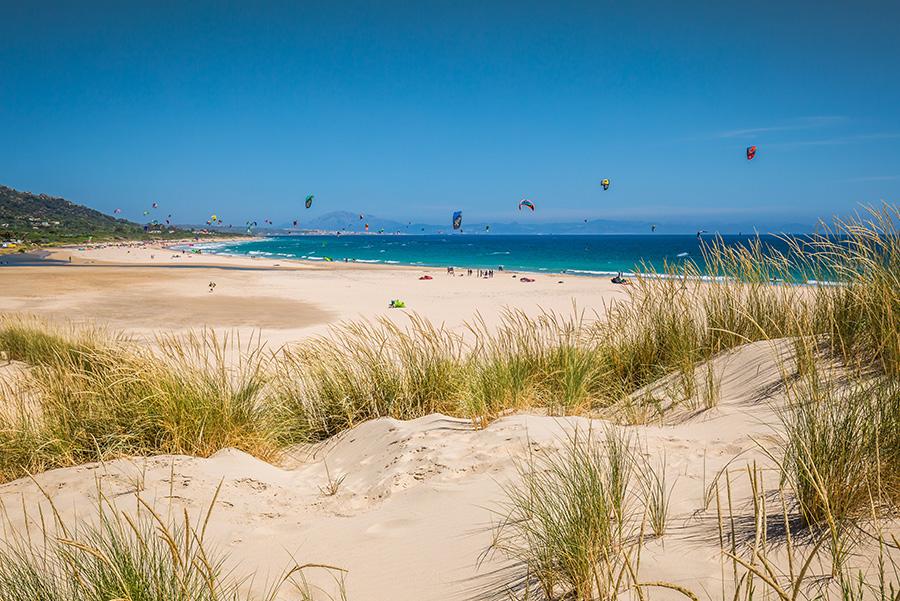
(42, 219)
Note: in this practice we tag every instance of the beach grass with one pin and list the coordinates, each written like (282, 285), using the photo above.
(117, 556)
(841, 447)
(137, 555)
(565, 523)
(561, 526)
(94, 398)
(40, 342)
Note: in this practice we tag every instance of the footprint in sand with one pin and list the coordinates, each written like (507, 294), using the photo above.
(252, 484)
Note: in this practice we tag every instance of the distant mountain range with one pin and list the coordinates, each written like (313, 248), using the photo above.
(39, 218)
(346, 221)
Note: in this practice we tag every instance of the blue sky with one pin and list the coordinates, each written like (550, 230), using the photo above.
(410, 110)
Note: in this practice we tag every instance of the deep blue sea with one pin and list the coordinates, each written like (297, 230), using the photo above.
(577, 254)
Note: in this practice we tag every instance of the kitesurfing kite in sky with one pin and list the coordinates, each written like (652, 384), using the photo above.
(751, 152)
(457, 220)
(605, 184)
(526, 203)
(309, 200)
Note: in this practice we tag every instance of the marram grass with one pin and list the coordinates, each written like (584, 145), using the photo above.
(130, 556)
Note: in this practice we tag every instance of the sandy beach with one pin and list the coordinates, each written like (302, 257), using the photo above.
(145, 289)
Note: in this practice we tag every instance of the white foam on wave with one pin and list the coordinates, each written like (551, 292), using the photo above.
(592, 272)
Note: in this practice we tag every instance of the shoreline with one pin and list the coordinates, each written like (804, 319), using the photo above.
(179, 248)
(110, 255)
(147, 288)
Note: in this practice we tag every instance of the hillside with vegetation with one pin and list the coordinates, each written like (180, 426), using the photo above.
(36, 219)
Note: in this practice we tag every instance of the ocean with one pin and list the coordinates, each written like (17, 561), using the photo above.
(576, 254)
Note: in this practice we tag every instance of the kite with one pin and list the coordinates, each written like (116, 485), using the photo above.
(155, 205)
(214, 218)
(487, 228)
(295, 223)
(653, 227)
(361, 216)
(146, 212)
(526, 203)
(751, 152)
(457, 220)
(605, 184)
(117, 211)
(309, 200)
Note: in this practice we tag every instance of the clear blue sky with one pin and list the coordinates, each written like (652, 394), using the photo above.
(413, 109)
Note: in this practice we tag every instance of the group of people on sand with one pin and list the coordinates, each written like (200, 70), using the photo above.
(482, 273)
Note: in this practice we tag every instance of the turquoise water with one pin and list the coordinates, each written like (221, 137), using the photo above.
(579, 254)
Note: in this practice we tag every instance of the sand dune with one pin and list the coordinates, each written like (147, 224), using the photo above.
(412, 515)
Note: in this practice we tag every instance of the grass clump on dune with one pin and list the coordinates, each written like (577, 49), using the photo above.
(367, 370)
(567, 521)
(842, 448)
(860, 320)
(134, 556)
(38, 342)
(112, 399)
(118, 558)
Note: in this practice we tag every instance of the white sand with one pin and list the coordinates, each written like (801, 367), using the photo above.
(126, 288)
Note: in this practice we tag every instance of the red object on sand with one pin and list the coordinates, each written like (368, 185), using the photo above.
(426, 277)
